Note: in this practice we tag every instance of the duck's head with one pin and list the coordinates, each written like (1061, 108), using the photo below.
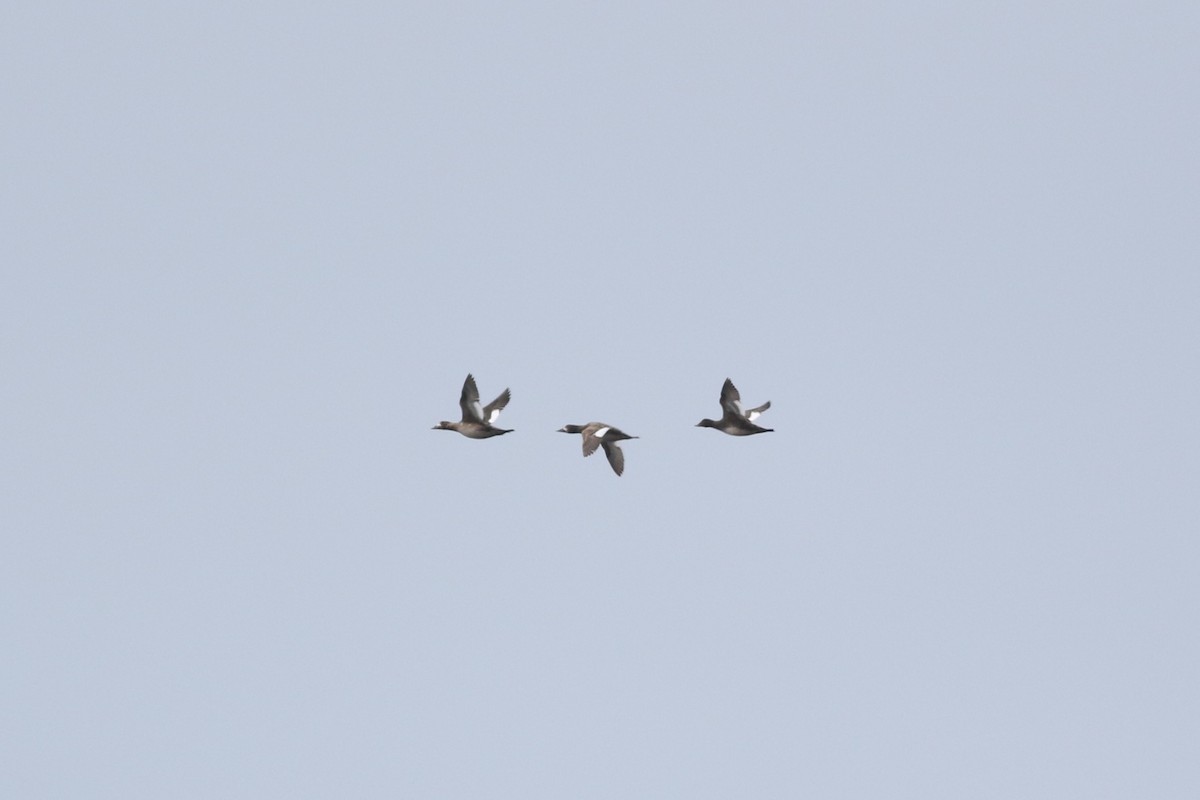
(444, 426)
(706, 423)
(571, 429)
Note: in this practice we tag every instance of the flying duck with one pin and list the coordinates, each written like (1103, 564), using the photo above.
(734, 420)
(598, 434)
(477, 422)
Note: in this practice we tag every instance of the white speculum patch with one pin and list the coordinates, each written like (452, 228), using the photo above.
(599, 434)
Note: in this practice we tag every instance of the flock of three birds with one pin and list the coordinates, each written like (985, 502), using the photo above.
(477, 422)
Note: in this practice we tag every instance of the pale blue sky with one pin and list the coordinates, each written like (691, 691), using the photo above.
(251, 252)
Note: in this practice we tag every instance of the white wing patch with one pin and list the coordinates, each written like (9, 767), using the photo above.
(494, 415)
(599, 434)
(476, 410)
(753, 415)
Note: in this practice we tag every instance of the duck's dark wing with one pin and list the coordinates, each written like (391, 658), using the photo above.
(492, 410)
(590, 443)
(615, 457)
(754, 413)
(469, 401)
(731, 399)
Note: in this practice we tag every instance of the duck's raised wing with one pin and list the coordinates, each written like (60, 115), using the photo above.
(491, 412)
(469, 401)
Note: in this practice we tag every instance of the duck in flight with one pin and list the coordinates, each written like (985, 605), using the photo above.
(599, 434)
(477, 421)
(734, 420)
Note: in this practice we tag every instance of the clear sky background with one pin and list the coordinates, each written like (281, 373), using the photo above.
(251, 250)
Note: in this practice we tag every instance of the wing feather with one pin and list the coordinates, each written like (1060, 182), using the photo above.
(615, 457)
(469, 401)
(491, 412)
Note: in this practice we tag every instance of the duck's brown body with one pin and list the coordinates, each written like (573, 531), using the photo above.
(599, 434)
(734, 420)
(477, 421)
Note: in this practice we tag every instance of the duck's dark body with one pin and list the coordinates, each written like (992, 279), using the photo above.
(599, 434)
(476, 421)
(734, 421)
